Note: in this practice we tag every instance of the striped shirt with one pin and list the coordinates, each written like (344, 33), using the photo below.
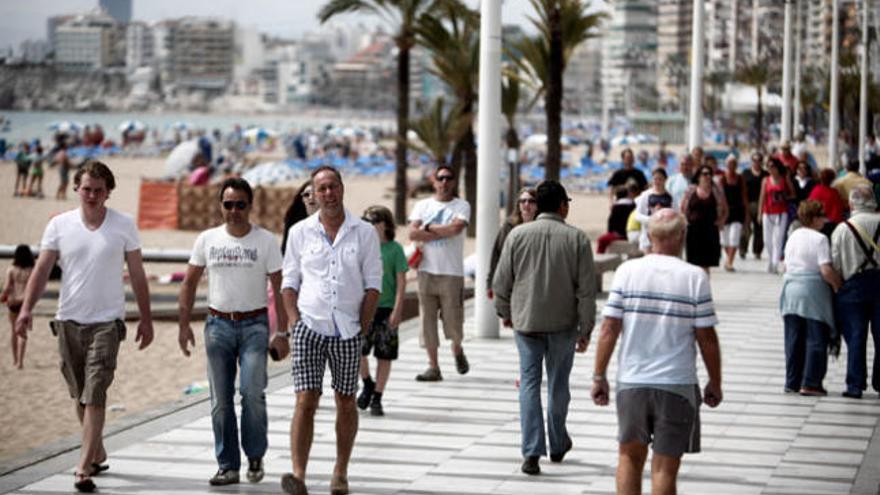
(661, 300)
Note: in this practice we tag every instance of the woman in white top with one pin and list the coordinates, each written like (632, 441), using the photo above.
(649, 201)
(806, 304)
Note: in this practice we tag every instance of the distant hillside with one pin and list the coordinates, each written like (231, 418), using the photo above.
(46, 88)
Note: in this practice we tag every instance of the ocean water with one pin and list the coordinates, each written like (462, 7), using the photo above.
(31, 125)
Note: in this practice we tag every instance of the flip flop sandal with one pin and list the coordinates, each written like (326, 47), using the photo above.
(98, 468)
(83, 483)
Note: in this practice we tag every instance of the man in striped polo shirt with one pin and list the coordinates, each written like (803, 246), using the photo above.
(661, 309)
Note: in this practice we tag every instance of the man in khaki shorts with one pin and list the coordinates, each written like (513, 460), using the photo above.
(438, 223)
(91, 244)
(661, 309)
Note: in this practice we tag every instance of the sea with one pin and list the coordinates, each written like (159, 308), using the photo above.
(19, 126)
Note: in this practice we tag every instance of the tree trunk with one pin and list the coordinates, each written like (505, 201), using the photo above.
(400, 186)
(513, 169)
(553, 99)
(759, 124)
(469, 146)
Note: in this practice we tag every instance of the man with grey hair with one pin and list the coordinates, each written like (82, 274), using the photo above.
(661, 309)
(678, 184)
(856, 257)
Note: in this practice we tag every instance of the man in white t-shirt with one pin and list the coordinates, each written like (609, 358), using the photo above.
(238, 256)
(438, 223)
(91, 244)
(660, 307)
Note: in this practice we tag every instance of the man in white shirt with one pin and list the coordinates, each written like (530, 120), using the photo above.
(91, 244)
(238, 257)
(438, 223)
(331, 285)
(678, 184)
(660, 307)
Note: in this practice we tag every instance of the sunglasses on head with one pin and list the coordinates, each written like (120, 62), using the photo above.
(445, 178)
(239, 205)
(372, 220)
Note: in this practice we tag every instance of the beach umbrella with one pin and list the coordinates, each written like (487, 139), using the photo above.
(181, 157)
(259, 134)
(66, 126)
(535, 140)
(132, 125)
(272, 173)
(181, 125)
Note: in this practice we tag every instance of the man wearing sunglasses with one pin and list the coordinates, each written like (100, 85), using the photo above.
(438, 223)
(238, 257)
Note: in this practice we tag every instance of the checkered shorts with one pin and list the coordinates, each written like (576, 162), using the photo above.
(310, 354)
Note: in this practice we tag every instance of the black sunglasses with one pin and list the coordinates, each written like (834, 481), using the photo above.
(524, 201)
(241, 205)
(372, 220)
(445, 178)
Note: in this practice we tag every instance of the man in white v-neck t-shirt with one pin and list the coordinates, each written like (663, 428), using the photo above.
(91, 244)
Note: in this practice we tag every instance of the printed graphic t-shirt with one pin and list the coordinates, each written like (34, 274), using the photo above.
(237, 267)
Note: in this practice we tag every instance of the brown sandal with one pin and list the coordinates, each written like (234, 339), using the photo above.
(83, 482)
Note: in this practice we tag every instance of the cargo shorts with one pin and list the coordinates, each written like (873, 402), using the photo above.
(88, 357)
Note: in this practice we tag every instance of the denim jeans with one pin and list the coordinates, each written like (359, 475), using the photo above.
(556, 352)
(806, 352)
(855, 307)
(230, 344)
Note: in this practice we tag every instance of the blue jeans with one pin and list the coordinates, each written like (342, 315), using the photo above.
(855, 307)
(231, 344)
(557, 351)
(806, 352)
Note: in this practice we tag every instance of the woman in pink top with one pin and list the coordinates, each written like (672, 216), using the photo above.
(776, 190)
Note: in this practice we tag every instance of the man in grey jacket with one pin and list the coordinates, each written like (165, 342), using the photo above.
(545, 289)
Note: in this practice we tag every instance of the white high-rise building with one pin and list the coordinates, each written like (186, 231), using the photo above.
(196, 53)
(629, 54)
(140, 46)
(582, 91)
(89, 42)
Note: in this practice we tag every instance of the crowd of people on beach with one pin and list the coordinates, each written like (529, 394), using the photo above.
(332, 294)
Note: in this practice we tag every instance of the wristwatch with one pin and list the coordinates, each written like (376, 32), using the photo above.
(279, 333)
(599, 378)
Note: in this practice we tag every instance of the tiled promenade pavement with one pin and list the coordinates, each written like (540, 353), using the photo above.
(461, 436)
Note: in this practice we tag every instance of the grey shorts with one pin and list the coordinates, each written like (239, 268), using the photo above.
(88, 357)
(664, 419)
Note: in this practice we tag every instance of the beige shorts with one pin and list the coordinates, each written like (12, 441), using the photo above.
(88, 357)
(443, 293)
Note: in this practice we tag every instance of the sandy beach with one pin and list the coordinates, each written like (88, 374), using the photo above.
(34, 404)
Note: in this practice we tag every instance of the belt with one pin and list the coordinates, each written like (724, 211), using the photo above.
(237, 315)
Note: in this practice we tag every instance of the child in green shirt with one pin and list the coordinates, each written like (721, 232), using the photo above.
(382, 335)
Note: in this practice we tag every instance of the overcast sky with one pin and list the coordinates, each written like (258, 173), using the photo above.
(26, 19)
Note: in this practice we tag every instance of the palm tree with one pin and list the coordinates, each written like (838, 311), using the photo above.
(510, 95)
(757, 75)
(715, 80)
(437, 130)
(401, 16)
(452, 37)
(562, 25)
